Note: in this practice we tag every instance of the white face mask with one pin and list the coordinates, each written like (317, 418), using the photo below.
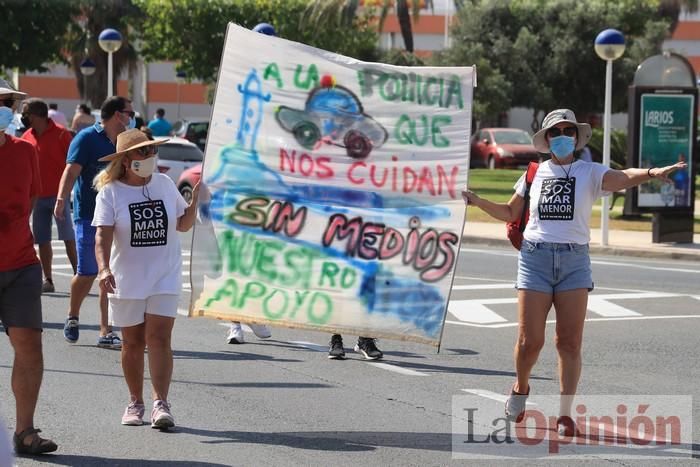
(144, 168)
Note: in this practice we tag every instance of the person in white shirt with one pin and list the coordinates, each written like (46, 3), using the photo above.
(554, 267)
(57, 116)
(138, 215)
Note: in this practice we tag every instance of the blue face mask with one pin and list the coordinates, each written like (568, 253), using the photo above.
(132, 123)
(562, 146)
(6, 117)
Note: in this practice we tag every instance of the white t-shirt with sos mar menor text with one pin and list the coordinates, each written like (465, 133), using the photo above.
(146, 258)
(561, 200)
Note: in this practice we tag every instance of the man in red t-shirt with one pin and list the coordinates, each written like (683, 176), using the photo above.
(51, 142)
(20, 276)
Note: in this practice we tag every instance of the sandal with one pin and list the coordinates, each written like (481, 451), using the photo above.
(515, 405)
(39, 445)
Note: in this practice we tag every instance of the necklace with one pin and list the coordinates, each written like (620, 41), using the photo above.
(566, 172)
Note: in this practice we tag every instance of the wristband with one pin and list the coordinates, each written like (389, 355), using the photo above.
(649, 172)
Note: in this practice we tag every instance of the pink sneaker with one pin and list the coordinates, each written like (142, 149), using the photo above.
(160, 416)
(133, 415)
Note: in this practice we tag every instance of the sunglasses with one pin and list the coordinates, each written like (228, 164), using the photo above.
(130, 113)
(148, 150)
(567, 131)
(8, 102)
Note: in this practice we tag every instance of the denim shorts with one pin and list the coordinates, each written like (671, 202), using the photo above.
(42, 216)
(85, 244)
(554, 267)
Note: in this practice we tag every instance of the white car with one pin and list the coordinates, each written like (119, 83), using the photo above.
(176, 156)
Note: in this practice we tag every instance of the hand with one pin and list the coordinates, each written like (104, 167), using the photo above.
(469, 197)
(195, 194)
(106, 281)
(662, 173)
(58, 209)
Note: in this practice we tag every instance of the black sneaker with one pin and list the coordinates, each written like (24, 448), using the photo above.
(336, 351)
(368, 348)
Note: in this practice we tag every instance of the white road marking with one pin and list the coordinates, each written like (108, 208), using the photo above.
(183, 312)
(552, 321)
(593, 261)
(603, 307)
(642, 266)
(488, 252)
(473, 278)
(397, 369)
(383, 366)
(492, 395)
(474, 311)
(509, 285)
(310, 346)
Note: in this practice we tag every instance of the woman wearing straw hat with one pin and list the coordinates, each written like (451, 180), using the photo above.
(137, 215)
(554, 266)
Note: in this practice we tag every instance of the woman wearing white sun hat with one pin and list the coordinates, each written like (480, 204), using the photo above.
(554, 264)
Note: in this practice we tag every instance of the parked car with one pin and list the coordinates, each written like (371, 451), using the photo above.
(497, 148)
(188, 179)
(192, 130)
(176, 156)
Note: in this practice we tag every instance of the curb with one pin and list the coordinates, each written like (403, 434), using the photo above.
(595, 249)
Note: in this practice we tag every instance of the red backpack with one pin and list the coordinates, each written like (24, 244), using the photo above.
(515, 229)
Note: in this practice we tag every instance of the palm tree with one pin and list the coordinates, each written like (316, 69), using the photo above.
(82, 37)
(671, 9)
(342, 12)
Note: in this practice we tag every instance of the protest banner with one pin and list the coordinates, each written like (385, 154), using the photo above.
(332, 191)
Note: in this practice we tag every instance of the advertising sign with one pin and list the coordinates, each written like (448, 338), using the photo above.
(666, 137)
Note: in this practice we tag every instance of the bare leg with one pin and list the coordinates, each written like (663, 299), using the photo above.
(533, 308)
(79, 288)
(133, 347)
(27, 372)
(46, 258)
(72, 254)
(105, 328)
(160, 355)
(570, 307)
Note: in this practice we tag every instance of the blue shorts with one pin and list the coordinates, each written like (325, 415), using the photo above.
(41, 221)
(554, 267)
(85, 244)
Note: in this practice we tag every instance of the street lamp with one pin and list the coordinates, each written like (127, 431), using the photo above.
(609, 45)
(87, 67)
(180, 78)
(110, 41)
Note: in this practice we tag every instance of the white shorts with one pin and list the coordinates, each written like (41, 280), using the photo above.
(125, 312)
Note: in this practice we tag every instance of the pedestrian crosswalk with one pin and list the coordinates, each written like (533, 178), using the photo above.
(481, 303)
(603, 305)
(62, 267)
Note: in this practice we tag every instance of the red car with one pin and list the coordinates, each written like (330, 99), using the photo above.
(498, 148)
(188, 179)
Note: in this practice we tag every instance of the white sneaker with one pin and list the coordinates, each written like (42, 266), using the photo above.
(235, 334)
(261, 331)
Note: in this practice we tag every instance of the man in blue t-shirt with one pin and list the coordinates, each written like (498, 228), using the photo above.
(159, 126)
(82, 166)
